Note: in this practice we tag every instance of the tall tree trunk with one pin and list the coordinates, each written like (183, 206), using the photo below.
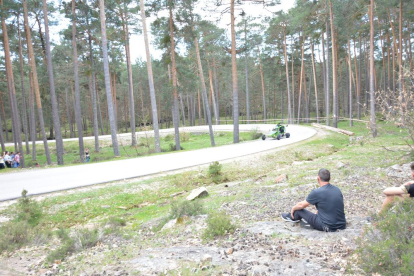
(316, 84)
(151, 81)
(327, 71)
(263, 88)
(246, 70)
(130, 83)
(32, 116)
(78, 111)
(217, 91)
(182, 107)
(287, 77)
(400, 65)
(301, 77)
(3, 146)
(204, 92)
(334, 66)
(98, 106)
(210, 76)
(92, 88)
(176, 115)
(55, 112)
(35, 82)
(358, 82)
(68, 112)
(388, 62)
(350, 84)
(108, 80)
(95, 126)
(293, 81)
(371, 67)
(12, 92)
(189, 111)
(199, 107)
(3, 112)
(24, 105)
(234, 77)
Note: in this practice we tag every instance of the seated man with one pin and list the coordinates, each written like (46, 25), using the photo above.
(405, 190)
(329, 202)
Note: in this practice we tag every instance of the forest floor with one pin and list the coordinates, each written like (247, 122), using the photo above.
(262, 244)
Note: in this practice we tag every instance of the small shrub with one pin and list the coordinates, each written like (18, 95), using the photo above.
(180, 209)
(66, 249)
(73, 242)
(186, 208)
(412, 155)
(387, 247)
(218, 224)
(173, 147)
(76, 161)
(214, 172)
(21, 230)
(28, 210)
(168, 137)
(14, 235)
(113, 224)
(184, 136)
(255, 135)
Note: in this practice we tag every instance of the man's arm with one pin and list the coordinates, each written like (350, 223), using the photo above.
(299, 206)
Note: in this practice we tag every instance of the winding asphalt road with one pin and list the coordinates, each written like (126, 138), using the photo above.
(55, 179)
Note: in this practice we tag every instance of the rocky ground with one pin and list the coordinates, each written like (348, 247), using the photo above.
(263, 243)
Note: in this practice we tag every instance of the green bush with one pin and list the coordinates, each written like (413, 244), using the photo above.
(214, 172)
(180, 209)
(218, 224)
(14, 235)
(20, 231)
(387, 247)
(186, 208)
(173, 147)
(113, 224)
(255, 135)
(168, 137)
(28, 210)
(184, 136)
(73, 242)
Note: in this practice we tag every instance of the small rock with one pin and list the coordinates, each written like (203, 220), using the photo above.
(169, 224)
(340, 165)
(230, 251)
(199, 192)
(177, 194)
(206, 258)
(281, 178)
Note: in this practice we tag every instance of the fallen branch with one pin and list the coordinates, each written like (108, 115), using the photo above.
(338, 130)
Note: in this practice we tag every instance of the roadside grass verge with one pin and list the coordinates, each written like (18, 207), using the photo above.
(188, 141)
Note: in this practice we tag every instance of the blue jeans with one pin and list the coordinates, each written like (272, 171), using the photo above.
(312, 219)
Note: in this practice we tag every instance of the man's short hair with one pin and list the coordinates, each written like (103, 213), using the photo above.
(324, 175)
(412, 166)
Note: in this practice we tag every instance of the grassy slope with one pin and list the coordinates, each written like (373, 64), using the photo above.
(361, 182)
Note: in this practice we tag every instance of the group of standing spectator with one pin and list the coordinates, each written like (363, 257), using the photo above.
(9, 160)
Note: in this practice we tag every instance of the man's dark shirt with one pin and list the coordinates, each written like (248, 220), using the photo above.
(410, 190)
(329, 201)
